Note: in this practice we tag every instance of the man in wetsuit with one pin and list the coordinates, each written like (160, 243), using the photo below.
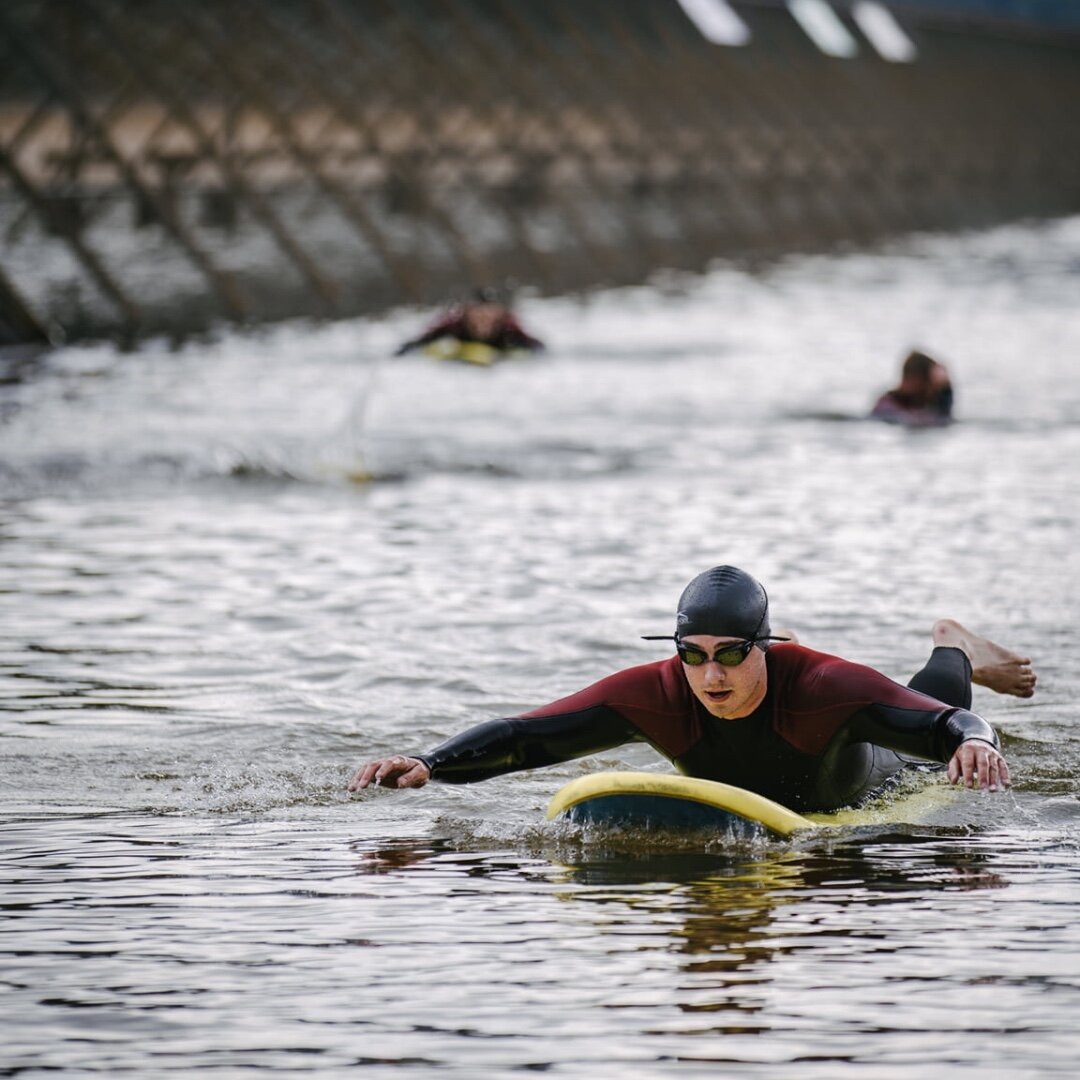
(740, 705)
(484, 320)
(924, 397)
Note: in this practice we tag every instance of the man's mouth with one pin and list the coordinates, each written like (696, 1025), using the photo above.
(718, 695)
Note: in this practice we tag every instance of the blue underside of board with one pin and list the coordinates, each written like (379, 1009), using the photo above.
(647, 811)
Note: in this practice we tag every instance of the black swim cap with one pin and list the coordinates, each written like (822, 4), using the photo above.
(723, 602)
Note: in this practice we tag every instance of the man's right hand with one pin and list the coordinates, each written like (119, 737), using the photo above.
(392, 772)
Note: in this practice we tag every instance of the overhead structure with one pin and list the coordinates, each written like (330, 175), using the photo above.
(165, 167)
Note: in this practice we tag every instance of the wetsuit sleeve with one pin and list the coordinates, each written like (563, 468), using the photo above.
(890, 408)
(825, 696)
(448, 326)
(508, 745)
(512, 335)
(932, 734)
(886, 407)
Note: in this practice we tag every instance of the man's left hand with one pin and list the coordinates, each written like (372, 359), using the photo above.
(977, 763)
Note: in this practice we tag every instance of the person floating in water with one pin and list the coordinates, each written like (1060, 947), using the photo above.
(741, 705)
(924, 397)
(484, 321)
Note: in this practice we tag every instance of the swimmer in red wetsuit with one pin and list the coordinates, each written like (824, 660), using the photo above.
(484, 320)
(741, 705)
(924, 397)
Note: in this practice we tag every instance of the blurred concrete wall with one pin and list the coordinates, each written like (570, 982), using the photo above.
(164, 166)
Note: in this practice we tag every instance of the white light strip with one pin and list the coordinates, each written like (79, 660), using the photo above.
(823, 27)
(717, 22)
(884, 32)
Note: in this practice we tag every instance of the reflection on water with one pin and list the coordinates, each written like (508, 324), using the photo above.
(735, 937)
(206, 622)
(274, 940)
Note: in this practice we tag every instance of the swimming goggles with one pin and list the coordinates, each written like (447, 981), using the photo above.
(727, 655)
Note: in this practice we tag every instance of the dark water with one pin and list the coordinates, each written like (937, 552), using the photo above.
(207, 625)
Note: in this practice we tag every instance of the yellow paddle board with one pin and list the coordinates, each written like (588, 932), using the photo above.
(466, 352)
(670, 801)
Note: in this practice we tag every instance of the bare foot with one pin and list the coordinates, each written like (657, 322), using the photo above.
(789, 635)
(992, 665)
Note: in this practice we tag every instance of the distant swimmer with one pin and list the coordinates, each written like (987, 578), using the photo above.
(744, 706)
(924, 397)
(484, 321)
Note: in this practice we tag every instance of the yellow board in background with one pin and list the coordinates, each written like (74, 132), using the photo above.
(466, 352)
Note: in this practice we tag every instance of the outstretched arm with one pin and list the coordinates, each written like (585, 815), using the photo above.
(515, 337)
(423, 339)
(501, 746)
(391, 772)
(448, 325)
(957, 736)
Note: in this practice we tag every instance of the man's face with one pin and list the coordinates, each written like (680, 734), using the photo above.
(729, 693)
(482, 320)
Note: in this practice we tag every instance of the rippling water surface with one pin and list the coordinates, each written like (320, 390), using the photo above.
(231, 573)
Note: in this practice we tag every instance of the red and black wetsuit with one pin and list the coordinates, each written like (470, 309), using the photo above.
(827, 733)
(896, 407)
(506, 334)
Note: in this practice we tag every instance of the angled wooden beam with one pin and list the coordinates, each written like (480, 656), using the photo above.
(56, 78)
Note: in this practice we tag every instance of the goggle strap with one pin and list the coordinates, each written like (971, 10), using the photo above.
(672, 637)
